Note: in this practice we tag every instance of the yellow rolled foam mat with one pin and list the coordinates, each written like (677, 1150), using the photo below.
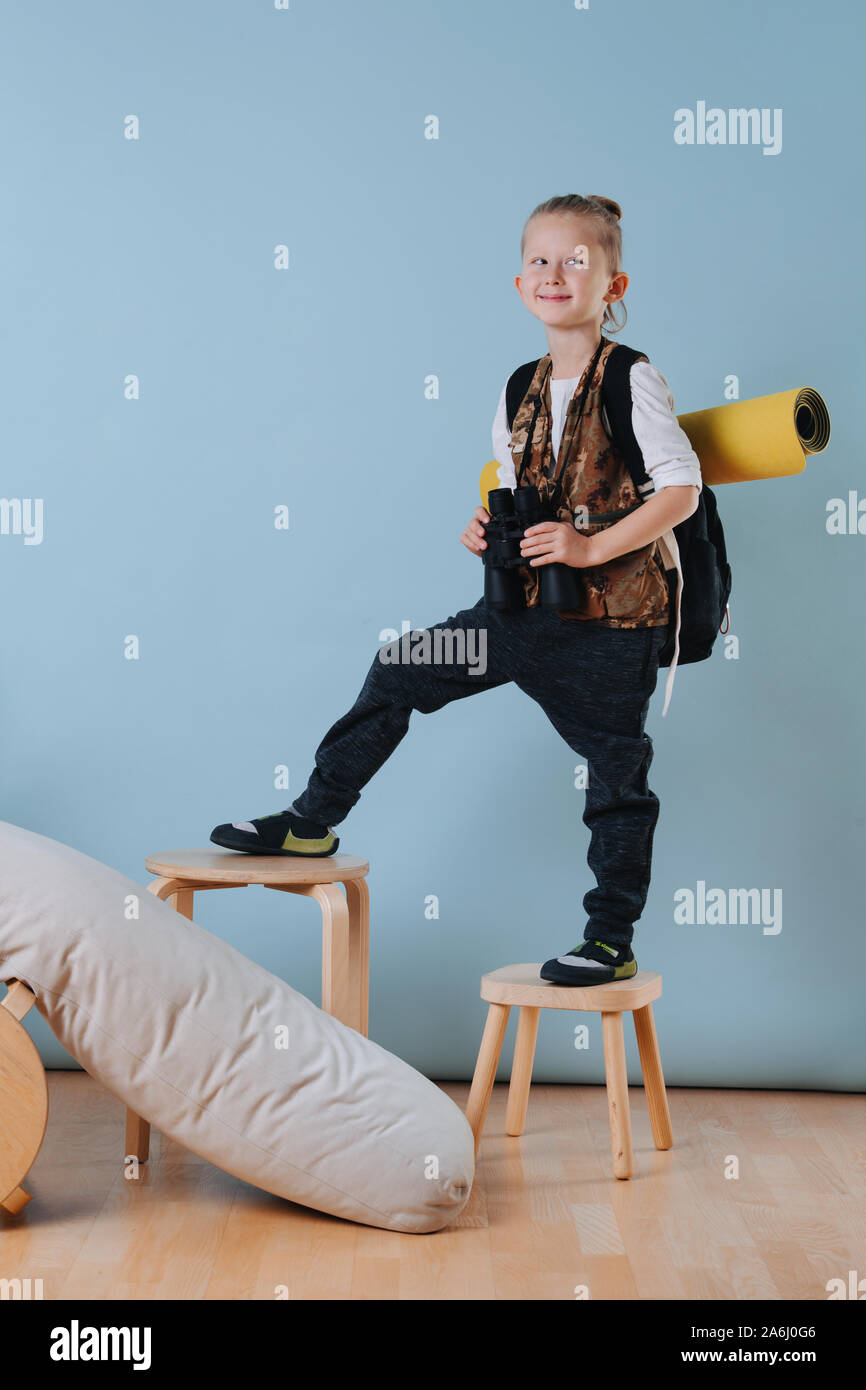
(741, 441)
(489, 480)
(768, 437)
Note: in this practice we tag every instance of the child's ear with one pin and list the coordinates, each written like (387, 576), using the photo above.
(517, 283)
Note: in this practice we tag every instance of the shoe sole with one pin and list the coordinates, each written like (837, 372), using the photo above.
(226, 843)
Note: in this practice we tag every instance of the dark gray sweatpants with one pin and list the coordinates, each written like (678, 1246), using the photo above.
(593, 682)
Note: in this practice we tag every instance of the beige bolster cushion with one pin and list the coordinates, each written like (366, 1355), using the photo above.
(219, 1054)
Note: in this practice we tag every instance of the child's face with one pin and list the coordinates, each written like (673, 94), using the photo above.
(565, 280)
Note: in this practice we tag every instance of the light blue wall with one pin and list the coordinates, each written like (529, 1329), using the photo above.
(306, 387)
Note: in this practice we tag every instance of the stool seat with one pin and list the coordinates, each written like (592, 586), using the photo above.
(232, 866)
(23, 1098)
(521, 984)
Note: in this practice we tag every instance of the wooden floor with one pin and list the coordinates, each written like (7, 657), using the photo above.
(545, 1215)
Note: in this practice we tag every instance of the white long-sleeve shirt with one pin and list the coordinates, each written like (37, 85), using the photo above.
(669, 458)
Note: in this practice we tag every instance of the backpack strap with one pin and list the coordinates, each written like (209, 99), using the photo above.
(518, 384)
(617, 401)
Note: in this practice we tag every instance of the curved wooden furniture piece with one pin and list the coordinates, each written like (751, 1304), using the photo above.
(345, 923)
(23, 1098)
(522, 986)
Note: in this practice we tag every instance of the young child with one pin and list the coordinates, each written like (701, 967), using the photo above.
(592, 669)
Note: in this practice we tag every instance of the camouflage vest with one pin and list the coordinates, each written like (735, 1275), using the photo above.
(631, 590)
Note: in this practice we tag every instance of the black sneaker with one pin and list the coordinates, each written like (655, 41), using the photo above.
(282, 832)
(591, 963)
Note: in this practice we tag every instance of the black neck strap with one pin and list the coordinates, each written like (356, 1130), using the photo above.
(555, 475)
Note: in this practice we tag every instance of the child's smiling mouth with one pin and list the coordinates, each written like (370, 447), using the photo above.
(555, 298)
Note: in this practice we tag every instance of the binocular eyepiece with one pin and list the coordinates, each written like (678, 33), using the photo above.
(511, 514)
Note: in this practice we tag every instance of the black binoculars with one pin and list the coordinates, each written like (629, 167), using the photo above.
(511, 513)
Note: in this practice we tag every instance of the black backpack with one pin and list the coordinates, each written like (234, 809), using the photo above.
(701, 540)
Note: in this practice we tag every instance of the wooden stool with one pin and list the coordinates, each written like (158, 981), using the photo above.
(345, 923)
(23, 1098)
(521, 985)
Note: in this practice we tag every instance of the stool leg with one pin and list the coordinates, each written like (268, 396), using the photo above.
(617, 1093)
(182, 900)
(358, 898)
(16, 1201)
(344, 941)
(164, 888)
(340, 994)
(485, 1068)
(521, 1070)
(19, 999)
(180, 897)
(137, 1137)
(653, 1078)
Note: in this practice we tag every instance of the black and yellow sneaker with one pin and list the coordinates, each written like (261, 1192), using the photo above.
(283, 832)
(591, 963)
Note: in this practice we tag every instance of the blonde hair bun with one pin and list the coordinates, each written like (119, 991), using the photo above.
(608, 204)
